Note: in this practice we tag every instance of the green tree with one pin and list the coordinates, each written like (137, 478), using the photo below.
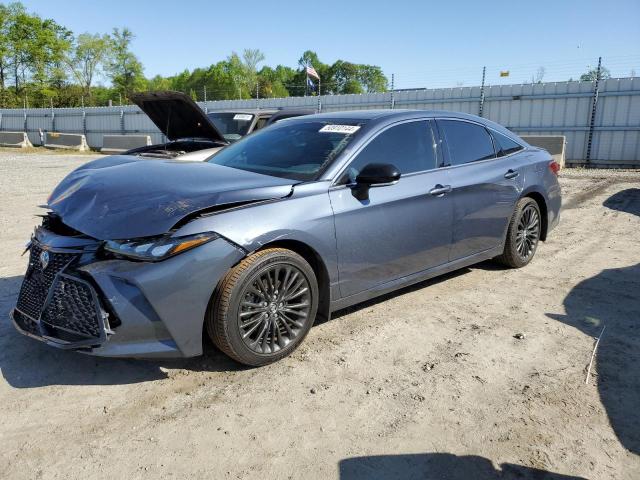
(372, 78)
(251, 58)
(273, 81)
(33, 53)
(234, 69)
(339, 78)
(88, 56)
(590, 76)
(5, 22)
(346, 78)
(124, 68)
(159, 83)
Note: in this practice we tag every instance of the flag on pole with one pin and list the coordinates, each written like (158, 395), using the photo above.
(311, 72)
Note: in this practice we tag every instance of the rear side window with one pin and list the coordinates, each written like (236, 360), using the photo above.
(467, 142)
(505, 145)
(408, 146)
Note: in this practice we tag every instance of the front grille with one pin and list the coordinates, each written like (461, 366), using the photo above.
(73, 308)
(37, 281)
(25, 323)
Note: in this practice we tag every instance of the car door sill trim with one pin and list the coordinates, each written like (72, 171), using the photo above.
(414, 278)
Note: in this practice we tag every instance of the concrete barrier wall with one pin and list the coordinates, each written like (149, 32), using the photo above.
(121, 143)
(554, 144)
(69, 141)
(14, 139)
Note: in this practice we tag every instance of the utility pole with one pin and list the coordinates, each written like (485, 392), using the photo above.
(484, 71)
(258, 94)
(592, 121)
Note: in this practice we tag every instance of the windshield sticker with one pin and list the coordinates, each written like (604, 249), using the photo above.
(243, 117)
(346, 129)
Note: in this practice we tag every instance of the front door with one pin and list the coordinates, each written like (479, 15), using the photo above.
(401, 228)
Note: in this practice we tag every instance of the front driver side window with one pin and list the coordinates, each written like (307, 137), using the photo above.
(408, 146)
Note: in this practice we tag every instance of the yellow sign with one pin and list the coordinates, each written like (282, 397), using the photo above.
(504, 73)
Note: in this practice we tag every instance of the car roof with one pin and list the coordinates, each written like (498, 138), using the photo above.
(396, 113)
(377, 117)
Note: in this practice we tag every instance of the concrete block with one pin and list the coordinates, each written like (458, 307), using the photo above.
(112, 144)
(554, 144)
(69, 141)
(14, 139)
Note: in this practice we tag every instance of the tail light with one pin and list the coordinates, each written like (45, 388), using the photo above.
(554, 167)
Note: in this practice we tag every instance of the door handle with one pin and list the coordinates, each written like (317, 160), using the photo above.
(440, 190)
(511, 174)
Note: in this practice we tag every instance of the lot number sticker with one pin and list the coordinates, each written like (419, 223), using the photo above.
(346, 129)
(242, 117)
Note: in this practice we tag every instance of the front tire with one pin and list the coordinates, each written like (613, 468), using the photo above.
(523, 234)
(264, 307)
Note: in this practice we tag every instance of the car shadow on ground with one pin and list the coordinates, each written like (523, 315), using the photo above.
(611, 299)
(438, 466)
(397, 293)
(27, 363)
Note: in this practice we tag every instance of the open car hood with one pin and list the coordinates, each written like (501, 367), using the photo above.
(124, 197)
(177, 116)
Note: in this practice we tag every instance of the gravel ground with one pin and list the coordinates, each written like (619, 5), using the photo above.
(428, 382)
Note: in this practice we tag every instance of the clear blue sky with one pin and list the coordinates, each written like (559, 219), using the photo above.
(424, 43)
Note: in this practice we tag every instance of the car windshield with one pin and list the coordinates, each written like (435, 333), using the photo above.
(291, 149)
(232, 126)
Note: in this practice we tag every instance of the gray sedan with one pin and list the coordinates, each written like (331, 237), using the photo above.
(138, 257)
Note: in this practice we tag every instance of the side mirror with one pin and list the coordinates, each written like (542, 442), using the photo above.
(378, 174)
(374, 175)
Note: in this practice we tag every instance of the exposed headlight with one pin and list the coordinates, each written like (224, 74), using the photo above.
(158, 248)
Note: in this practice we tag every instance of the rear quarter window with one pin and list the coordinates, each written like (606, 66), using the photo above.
(504, 145)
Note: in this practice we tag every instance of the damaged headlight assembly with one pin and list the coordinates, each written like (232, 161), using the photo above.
(157, 248)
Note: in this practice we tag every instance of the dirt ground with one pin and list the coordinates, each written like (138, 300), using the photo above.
(428, 382)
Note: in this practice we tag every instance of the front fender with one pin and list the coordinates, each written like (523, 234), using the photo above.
(306, 216)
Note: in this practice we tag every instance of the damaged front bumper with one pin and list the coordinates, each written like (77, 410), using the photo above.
(72, 299)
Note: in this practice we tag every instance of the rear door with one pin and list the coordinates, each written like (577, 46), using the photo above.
(401, 228)
(485, 183)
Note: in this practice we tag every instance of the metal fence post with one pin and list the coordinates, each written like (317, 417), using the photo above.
(592, 120)
(53, 117)
(393, 100)
(484, 71)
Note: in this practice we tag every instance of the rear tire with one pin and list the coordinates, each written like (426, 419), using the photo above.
(523, 234)
(264, 307)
